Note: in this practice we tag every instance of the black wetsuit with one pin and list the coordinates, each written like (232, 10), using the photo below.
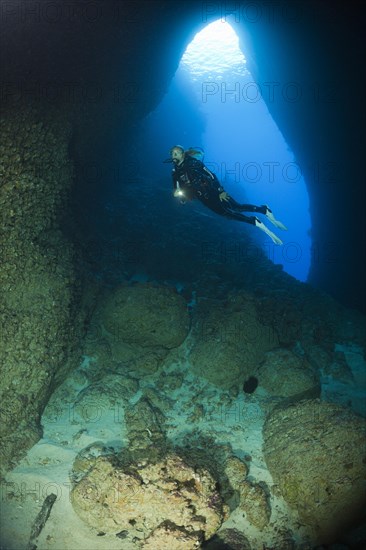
(197, 182)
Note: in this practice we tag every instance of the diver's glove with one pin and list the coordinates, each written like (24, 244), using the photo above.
(272, 219)
(224, 196)
(268, 232)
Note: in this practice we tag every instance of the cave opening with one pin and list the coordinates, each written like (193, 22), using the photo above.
(214, 102)
(92, 362)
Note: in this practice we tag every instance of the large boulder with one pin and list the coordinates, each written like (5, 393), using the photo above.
(167, 499)
(287, 377)
(230, 341)
(146, 315)
(315, 452)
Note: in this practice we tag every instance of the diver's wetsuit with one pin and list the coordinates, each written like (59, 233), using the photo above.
(196, 181)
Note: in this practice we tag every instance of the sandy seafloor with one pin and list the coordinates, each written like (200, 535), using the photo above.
(46, 467)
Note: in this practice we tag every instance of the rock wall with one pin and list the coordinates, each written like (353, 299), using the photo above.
(38, 286)
(315, 453)
(307, 58)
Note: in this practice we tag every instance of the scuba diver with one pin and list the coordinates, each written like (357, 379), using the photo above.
(192, 180)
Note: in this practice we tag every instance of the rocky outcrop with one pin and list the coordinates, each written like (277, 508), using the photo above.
(255, 504)
(315, 452)
(40, 325)
(229, 341)
(140, 324)
(146, 316)
(287, 377)
(165, 501)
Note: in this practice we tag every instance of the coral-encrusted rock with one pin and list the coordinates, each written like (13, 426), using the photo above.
(145, 427)
(41, 316)
(137, 358)
(141, 498)
(254, 502)
(236, 470)
(230, 342)
(286, 376)
(171, 537)
(315, 452)
(146, 315)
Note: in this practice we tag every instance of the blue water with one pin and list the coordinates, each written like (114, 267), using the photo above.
(220, 108)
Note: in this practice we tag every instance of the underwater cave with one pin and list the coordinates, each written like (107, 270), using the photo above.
(243, 145)
(170, 376)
